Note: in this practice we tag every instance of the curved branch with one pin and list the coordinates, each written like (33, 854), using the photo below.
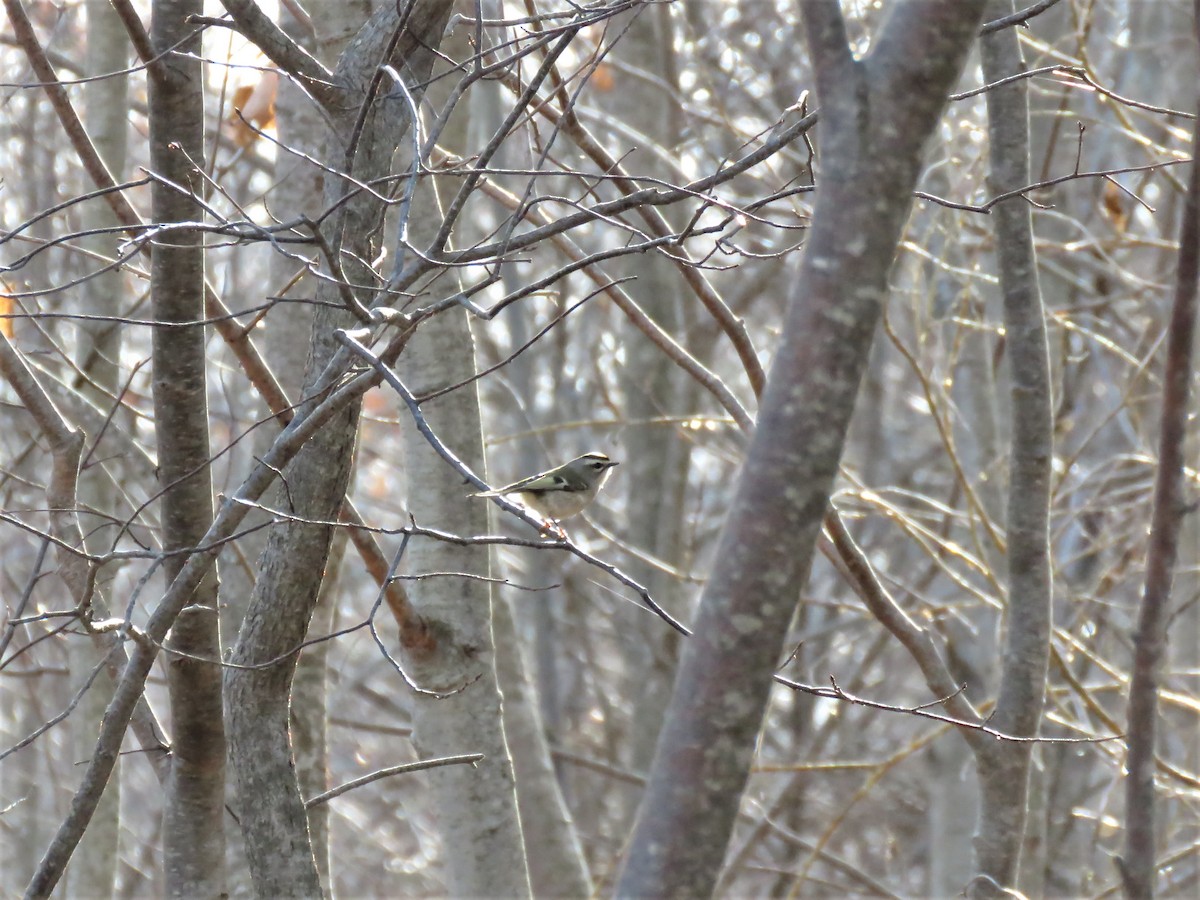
(275, 44)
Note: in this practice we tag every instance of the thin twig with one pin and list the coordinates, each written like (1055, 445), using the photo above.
(464, 759)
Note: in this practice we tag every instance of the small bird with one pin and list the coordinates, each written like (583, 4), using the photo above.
(562, 492)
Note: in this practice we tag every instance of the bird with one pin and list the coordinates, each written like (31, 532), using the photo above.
(561, 492)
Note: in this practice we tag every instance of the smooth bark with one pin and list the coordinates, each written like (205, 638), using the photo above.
(876, 116)
(285, 340)
(194, 816)
(94, 866)
(557, 867)
(1139, 860)
(1004, 767)
(276, 832)
(475, 807)
(656, 460)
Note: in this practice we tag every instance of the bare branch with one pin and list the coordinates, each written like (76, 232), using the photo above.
(1170, 504)
(351, 342)
(282, 50)
(1020, 17)
(420, 765)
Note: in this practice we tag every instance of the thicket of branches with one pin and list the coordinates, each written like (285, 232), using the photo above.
(894, 592)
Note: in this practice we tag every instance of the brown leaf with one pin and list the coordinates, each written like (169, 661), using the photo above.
(603, 78)
(7, 308)
(1113, 203)
(255, 104)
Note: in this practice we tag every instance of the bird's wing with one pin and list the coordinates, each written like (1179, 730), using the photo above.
(538, 484)
(548, 484)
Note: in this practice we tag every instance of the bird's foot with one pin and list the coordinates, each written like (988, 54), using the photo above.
(551, 528)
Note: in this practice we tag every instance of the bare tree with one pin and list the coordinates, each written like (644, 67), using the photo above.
(194, 819)
(293, 562)
(95, 863)
(1138, 864)
(724, 677)
(399, 238)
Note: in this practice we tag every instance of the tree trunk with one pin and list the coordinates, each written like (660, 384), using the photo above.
(93, 867)
(475, 807)
(877, 114)
(656, 461)
(276, 829)
(1004, 766)
(194, 818)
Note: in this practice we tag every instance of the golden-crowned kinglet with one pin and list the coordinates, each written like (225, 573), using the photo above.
(563, 492)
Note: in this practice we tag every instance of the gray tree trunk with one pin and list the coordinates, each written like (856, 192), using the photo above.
(194, 817)
(475, 807)
(877, 114)
(656, 460)
(274, 820)
(557, 867)
(93, 867)
(1003, 766)
(551, 848)
(285, 341)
